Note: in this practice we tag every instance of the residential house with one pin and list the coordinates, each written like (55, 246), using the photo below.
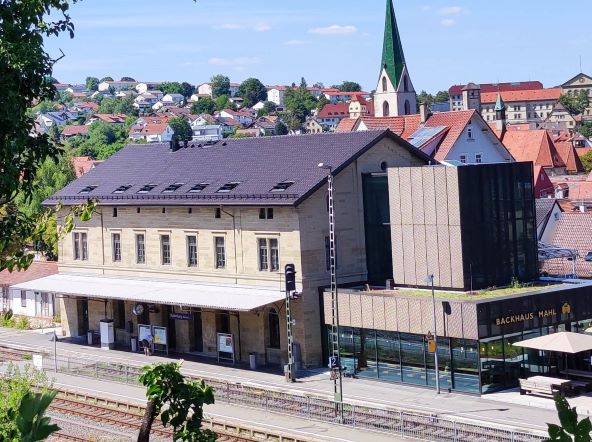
(205, 129)
(543, 187)
(276, 94)
(228, 124)
(359, 106)
(265, 126)
(535, 146)
(205, 89)
(568, 153)
(61, 87)
(145, 101)
(74, 131)
(559, 119)
(173, 99)
(126, 93)
(47, 120)
(244, 117)
(118, 119)
(548, 211)
(84, 164)
(460, 99)
(152, 132)
(448, 137)
(116, 86)
(248, 132)
(196, 97)
(39, 306)
(204, 232)
(85, 107)
(147, 86)
(331, 114)
(312, 126)
(76, 88)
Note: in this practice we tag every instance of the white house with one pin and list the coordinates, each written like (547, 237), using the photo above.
(116, 85)
(152, 132)
(205, 89)
(276, 94)
(142, 88)
(243, 117)
(173, 99)
(39, 305)
(76, 88)
(207, 132)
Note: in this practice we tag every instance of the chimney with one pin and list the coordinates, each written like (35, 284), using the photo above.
(424, 112)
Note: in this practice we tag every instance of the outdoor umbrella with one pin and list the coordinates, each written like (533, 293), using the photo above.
(564, 342)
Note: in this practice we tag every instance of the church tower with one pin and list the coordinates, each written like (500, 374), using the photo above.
(394, 93)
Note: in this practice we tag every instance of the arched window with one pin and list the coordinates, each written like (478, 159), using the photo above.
(273, 326)
(385, 109)
(407, 108)
(384, 85)
(405, 84)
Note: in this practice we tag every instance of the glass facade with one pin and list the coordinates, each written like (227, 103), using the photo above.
(404, 357)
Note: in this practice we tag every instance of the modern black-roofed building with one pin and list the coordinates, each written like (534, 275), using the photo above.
(191, 241)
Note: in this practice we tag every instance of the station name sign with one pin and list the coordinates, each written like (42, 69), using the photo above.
(513, 319)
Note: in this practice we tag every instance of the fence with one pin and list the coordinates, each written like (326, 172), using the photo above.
(396, 421)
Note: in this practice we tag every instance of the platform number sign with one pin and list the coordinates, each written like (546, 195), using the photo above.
(334, 362)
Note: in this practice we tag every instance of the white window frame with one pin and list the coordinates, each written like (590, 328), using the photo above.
(478, 158)
(137, 243)
(115, 253)
(224, 257)
(189, 263)
(162, 248)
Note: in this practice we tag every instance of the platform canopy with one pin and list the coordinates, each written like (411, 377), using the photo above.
(563, 342)
(156, 291)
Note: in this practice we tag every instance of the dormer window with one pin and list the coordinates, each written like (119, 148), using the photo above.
(172, 188)
(88, 189)
(282, 187)
(122, 189)
(228, 187)
(198, 188)
(147, 188)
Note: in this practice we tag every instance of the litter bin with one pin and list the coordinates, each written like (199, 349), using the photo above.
(253, 361)
(134, 343)
(89, 337)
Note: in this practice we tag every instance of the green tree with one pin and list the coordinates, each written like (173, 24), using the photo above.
(281, 128)
(587, 161)
(181, 128)
(177, 400)
(424, 97)
(123, 105)
(442, 97)
(21, 413)
(299, 103)
(204, 105)
(269, 107)
(173, 87)
(348, 86)
(127, 79)
(92, 83)
(575, 103)
(319, 85)
(569, 428)
(223, 102)
(220, 85)
(252, 91)
(103, 140)
(106, 79)
(586, 129)
(187, 89)
(322, 101)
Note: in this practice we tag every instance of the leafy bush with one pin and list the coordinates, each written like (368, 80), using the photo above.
(22, 323)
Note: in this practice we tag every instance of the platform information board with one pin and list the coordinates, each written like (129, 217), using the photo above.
(225, 347)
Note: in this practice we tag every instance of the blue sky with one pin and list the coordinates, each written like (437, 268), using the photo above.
(445, 42)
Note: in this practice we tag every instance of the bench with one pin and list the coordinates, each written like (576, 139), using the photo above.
(580, 386)
(533, 387)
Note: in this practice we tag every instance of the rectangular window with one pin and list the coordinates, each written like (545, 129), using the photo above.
(119, 314)
(116, 247)
(478, 158)
(23, 298)
(44, 301)
(220, 252)
(165, 249)
(463, 158)
(84, 245)
(266, 213)
(192, 251)
(269, 255)
(76, 241)
(140, 248)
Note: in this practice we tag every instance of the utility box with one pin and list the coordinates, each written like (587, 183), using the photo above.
(107, 334)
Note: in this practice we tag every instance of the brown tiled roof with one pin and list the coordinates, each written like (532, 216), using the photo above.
(494, 87)
(573, 231)
(532, 145)
(82, 165)
(38, 269)
(517, 96)
(111, 118)
(150, 129)
(346, 125)
(70, 131)
(568, 154)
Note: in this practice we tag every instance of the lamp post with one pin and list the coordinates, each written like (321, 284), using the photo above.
(335, 361)
(430, 278)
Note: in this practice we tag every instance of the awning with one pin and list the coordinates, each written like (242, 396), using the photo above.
(156, 291)
(563, 342)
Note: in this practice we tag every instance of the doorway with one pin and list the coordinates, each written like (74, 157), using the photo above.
(171, 331)
(82, 308)
(197, 332)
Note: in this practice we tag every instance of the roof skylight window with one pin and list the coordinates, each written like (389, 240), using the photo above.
(147, 188)
(282, 187)
(88, 189)
(122, 189)
(172, 187)
(228, 187)
(198, 188)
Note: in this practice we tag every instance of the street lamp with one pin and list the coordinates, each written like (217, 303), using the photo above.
(430, 279)
(335, 360)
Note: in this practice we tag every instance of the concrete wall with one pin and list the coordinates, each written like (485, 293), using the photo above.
(425, 226)
(33, 307)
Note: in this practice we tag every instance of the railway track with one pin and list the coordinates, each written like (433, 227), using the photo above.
(128, 416)
(13, 354)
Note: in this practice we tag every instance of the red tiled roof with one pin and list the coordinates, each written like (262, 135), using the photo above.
(111, 118)
(70, 131)
(527, 95)
(82, 165)
(150, 129)
(568, 154)
(580, 190)
(456, 121)
(572, 231)
(338, 92)
(542, 184)
(503, 87)
(360, 98)
(347, 125)
(38, 269)
(88, 105)
(532, 145)
(334, 110)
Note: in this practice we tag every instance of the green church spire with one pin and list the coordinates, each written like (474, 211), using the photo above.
(393, 58)
(499, 103)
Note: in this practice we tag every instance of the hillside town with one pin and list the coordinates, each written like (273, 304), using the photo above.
(387, 253)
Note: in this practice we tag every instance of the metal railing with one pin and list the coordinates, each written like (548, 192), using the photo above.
(400, 422)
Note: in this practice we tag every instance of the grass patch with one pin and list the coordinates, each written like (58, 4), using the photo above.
(492, 292)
